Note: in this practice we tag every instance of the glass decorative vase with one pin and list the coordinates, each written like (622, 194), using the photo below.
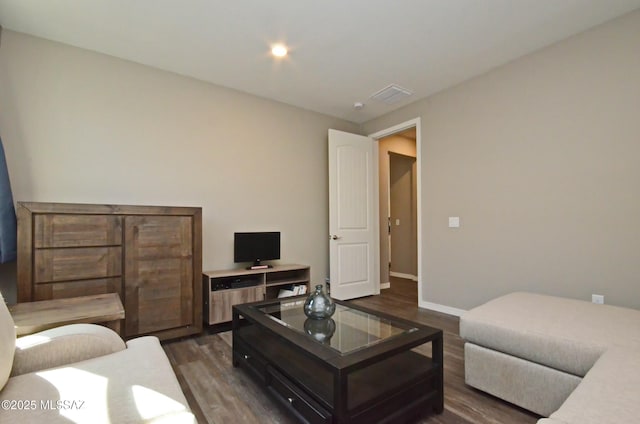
(320, 329)
(319, 305)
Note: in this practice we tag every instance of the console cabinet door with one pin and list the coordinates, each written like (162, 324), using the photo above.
(222, 301)
(158, 273)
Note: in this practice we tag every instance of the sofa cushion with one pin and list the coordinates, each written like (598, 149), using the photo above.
(608, 393)
(63, 345)
(532, 386)
(7, 342)
(133, 385)
(566, 334)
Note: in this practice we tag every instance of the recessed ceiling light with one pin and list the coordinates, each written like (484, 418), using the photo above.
(279, 50)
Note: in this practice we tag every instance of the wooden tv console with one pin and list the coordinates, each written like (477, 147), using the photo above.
(224, 288)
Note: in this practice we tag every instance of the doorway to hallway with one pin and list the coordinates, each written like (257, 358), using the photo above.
(398, 203)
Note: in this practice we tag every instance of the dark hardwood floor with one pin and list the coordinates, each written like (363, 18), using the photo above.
(218, 393)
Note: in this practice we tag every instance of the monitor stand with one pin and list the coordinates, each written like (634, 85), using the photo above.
(258, 265)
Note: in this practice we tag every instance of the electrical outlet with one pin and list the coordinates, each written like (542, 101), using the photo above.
(597, 298)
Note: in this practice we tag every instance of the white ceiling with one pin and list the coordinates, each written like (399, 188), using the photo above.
(342, 51)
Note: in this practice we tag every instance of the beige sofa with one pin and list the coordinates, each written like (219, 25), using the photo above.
(569, 360)
(84, 373)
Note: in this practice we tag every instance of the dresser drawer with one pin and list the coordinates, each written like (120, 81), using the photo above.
(66, 289)
(52, 265)
(305, 408)
(60, 230)
(246, 358)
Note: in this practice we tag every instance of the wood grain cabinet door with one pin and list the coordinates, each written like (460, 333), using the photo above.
(158, 273)
(222, 301)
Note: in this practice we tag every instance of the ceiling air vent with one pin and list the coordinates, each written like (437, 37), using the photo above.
(391, 94)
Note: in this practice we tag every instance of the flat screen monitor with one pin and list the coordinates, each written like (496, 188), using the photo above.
(256, 247)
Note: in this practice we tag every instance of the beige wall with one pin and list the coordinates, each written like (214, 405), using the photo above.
(540, 160)
(78, 126)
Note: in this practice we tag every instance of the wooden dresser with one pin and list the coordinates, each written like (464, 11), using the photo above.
(150, 255)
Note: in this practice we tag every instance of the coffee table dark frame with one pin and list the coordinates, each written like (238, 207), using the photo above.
(267, 349)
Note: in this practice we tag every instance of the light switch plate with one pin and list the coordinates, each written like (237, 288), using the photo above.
(454, 221)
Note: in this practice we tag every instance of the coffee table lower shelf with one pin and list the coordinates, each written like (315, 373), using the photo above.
(400, 386)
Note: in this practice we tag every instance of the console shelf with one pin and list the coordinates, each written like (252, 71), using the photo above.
(224, 288)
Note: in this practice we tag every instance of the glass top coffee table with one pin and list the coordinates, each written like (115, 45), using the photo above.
(358, 366)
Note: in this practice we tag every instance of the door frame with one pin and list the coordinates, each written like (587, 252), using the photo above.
(390, 131)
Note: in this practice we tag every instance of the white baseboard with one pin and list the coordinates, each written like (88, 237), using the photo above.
(385, 286)
(449, 310)
(402, 275)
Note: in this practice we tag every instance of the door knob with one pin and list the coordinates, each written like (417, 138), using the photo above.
(334, 237)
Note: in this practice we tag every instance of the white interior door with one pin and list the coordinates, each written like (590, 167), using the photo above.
(353, 216)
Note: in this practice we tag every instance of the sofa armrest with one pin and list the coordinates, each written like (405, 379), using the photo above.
(62, 346)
